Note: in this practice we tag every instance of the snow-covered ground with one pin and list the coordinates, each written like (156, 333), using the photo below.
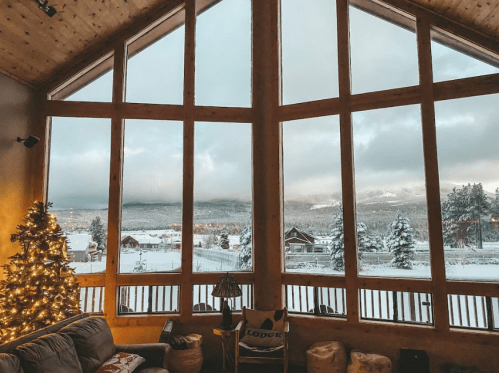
(476, 272)
(153, 261)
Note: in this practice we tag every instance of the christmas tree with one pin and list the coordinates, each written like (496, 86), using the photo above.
(40, 289)
(401, 243)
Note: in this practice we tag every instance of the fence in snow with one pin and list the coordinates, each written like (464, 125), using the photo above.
(230, 259)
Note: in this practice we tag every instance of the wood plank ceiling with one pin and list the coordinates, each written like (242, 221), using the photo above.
(34, 47)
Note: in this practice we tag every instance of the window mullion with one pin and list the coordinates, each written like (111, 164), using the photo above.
(115, 182)
(347, 171)
(188, 177)
(437, 260)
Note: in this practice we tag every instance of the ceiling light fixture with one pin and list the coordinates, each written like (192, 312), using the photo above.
(46, 8)
(30, 141)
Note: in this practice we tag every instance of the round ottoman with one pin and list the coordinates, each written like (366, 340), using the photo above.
(329, 356)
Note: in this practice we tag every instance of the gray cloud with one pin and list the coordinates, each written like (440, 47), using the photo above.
(388, 149)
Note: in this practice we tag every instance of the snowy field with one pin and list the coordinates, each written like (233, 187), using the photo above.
(152, 261)
(475, 272)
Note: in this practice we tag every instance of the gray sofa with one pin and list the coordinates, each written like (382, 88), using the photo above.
(80, 344)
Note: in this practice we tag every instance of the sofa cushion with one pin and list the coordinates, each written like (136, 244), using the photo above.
(93, 342)
(10, 364)
(53, 353)
(121, 363)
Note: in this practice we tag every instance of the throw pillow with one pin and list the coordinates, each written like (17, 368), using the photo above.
(270, 320)
(262, 338)
(121, 363)
(50, 353)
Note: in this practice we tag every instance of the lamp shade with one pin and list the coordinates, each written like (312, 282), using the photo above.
(227, 287)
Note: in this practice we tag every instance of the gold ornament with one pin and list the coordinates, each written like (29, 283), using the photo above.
(58, 298)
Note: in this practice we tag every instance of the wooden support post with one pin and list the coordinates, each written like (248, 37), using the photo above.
(115, 182)
(267, 171)
(347, 166)
(186, 290)
(440, 311)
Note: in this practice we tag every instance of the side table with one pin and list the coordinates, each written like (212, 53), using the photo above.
(227, 355)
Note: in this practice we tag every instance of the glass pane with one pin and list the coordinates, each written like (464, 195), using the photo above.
(321, 301)
(149, 299)
(313, 218)
(204, 302)
(399, 306)
(449, 63)
(392, 226)
(467, 135)
(309, 62)
(383, 55)
(151, 215)
(222, 197)
(79, 187)
(223, 55)
(97, 85)
(155, 70)
(467, 311)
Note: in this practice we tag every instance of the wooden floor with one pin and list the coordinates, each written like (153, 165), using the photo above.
(252, 368)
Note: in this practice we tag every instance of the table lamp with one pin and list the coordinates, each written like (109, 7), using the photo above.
(226, 287)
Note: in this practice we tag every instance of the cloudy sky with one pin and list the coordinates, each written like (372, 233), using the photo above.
(387, 142)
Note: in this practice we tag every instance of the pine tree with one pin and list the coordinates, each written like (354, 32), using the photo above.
(40, 288)
(494, 209)
(98, 233)
(455, 218)
(245, 238)
(224, 242)
(337, 247)
(477, 207)
(401, 243)
(368, 242)
(462, 214)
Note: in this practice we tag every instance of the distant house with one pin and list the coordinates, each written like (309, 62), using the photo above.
(79, 247)
(296, 236)
(307, 248)
(141, 242)
(129, 242)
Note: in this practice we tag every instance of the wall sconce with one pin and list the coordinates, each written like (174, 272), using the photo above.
(46, 8)
(30, 141)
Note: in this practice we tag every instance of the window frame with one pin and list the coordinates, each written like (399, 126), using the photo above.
(266, 116)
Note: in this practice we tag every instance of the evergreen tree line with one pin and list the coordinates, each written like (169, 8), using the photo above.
(400, 242)
(462, 215)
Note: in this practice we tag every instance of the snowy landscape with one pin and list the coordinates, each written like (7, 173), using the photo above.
(471, 244)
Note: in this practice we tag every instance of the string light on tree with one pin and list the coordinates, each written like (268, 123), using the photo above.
(40, 288)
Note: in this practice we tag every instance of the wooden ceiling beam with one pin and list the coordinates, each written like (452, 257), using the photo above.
(445, 23)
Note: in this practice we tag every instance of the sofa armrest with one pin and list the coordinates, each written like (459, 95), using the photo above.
(154, 353)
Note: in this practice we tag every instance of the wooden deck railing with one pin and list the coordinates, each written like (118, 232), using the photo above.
(149, 299)
(204, 302)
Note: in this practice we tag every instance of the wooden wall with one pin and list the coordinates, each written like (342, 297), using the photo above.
(17, 162)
